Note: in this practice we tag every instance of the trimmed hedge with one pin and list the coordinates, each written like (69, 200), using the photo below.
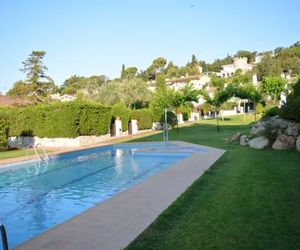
(4, 129)
(120, 110)
(70, 119)
(143, 116)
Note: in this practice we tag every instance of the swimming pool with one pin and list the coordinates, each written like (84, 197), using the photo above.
(35, 197)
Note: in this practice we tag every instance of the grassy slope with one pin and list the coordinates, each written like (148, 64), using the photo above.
(249, 199)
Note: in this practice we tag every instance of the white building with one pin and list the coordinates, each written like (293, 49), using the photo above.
(241, 63)
(63, 98)
(197, 81)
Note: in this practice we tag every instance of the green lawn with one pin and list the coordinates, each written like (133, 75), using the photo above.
(249, 199)
(16, 153)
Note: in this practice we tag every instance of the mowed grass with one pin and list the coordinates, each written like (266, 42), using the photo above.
(249, 199)
(17, 153)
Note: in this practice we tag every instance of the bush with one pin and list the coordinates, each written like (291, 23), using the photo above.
(171, 119)
(228, 105)
(296, 88)
(143, 116)
(4, 129)
(205, 108)
(120, 110)
(60, 120)
(291, 109)
(259, 108)
(272, 111)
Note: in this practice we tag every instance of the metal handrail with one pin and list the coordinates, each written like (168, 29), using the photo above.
(36, 152)
(43, 149)
(3, 237)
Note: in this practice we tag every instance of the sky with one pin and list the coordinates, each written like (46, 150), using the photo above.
(95, 37)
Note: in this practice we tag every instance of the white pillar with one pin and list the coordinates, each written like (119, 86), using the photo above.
(180, 118)
(118, 127)
(254, 79)
(192, 117)
(134, 127)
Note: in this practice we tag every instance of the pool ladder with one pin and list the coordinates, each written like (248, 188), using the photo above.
(3, 237)
(42, 156)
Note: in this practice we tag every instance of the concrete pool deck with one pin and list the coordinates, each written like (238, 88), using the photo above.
(113, 224)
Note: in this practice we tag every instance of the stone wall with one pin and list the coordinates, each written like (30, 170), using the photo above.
(25, 141)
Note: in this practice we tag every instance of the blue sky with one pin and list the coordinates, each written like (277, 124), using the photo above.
(88, 37)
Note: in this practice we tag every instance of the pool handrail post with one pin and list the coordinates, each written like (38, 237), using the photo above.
(3, 237)
(166, 136)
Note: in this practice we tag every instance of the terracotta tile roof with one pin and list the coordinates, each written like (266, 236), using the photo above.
(184, 79)
(6, 101)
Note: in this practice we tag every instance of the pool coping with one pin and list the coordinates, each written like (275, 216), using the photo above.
(114, 223)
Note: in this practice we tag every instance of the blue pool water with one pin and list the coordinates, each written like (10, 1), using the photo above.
(35, 197)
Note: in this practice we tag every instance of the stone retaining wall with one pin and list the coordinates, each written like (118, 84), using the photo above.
(25, 141)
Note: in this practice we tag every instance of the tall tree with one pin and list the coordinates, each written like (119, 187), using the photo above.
(269, 66)
(220, 96)
(123, 71)
(38, 82)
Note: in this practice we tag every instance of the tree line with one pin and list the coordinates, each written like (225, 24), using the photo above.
(131, 87)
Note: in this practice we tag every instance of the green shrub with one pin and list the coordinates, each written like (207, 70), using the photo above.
(171, 119)
(272, 111)
(144, 118)
(205, 108)
(185, 110)
(259, 108)
(4, 129)
(120, 110)
(156, 112)
(60, 120)
(296, 88)
(185, 116)
(291, 109)
(228, 105)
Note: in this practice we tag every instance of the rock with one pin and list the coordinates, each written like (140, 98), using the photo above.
(259, 142)
(298, 143)
(257, 129)
(235, 137)
(278, 122)
(292, 130)
(244, 140)
(284, 142)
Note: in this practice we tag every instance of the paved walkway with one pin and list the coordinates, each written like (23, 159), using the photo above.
(112, 225)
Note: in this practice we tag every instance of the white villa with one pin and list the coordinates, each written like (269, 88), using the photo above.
(241, 63)
(63, 98)
(198, 81)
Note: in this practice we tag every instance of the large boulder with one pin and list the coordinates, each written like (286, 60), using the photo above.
(235, 137)
(298, 143)
(244, 140)
(277, 122)
(284, 142)
(259, 142)
(258, 129)
(292, 130)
